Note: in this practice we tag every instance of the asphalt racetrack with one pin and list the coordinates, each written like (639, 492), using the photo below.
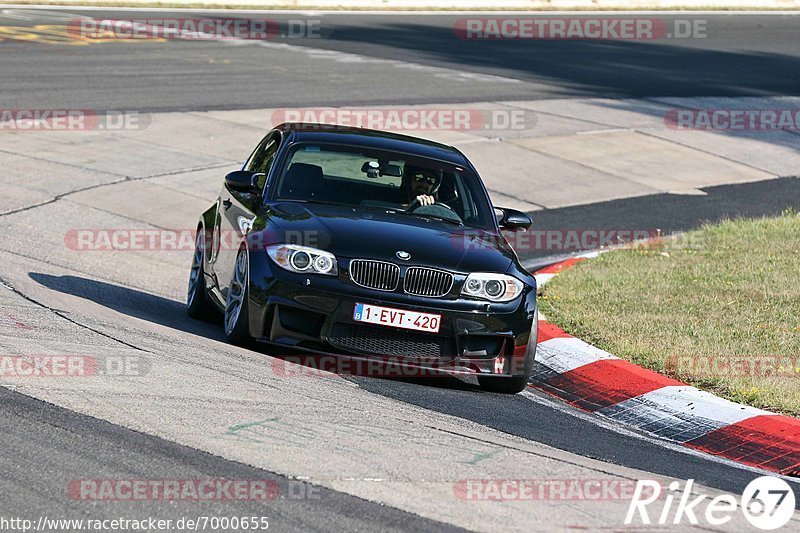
(338, 452)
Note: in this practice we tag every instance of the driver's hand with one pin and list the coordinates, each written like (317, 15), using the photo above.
(425, 199)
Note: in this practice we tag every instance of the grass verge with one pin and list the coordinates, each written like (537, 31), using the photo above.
(718, 308)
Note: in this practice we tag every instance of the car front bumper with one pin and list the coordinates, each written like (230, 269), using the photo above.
(314, 314)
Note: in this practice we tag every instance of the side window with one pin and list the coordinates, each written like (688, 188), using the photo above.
(263, 158)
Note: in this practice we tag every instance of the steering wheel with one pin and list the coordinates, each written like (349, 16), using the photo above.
(414, 205)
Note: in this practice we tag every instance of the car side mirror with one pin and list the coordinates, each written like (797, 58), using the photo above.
(512, 219)
(243, 181)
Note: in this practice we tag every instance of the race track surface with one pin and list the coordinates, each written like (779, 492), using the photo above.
(346, 453)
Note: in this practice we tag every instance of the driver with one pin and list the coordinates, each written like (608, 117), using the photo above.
(421, 184)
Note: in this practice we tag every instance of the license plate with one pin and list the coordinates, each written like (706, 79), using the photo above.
(400, 318)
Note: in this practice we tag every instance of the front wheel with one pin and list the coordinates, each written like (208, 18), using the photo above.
(503, 385)
(508, 384)
(197, 304)
(236, 305)
(517, 383)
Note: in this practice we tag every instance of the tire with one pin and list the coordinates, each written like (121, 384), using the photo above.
(513, 384)
(197, 304)
(503, 385)
(236, 322)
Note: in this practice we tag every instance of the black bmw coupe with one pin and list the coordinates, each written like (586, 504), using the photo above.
(357, 243)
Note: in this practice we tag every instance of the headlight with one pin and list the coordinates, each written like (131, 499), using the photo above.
(303, 259)
(493, 287)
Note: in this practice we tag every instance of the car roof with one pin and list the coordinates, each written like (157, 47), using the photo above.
(330, 133)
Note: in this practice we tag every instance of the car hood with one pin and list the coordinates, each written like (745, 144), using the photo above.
(377, 234)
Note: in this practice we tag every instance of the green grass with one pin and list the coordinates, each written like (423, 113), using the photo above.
(707, 308)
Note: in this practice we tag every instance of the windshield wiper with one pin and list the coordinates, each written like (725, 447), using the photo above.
(351, 206)
(323, 202)
(426, 215)
(386, 209)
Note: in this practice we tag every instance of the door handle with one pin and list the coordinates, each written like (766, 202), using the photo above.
(226, 203)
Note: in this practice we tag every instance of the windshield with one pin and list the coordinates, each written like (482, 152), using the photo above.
(363, 177)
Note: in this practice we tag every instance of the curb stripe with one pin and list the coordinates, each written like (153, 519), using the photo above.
(597, 381)
(768, 441)
(555, 268)
(549, 331)
(679, 413)
(605, 383)
(568, 353)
